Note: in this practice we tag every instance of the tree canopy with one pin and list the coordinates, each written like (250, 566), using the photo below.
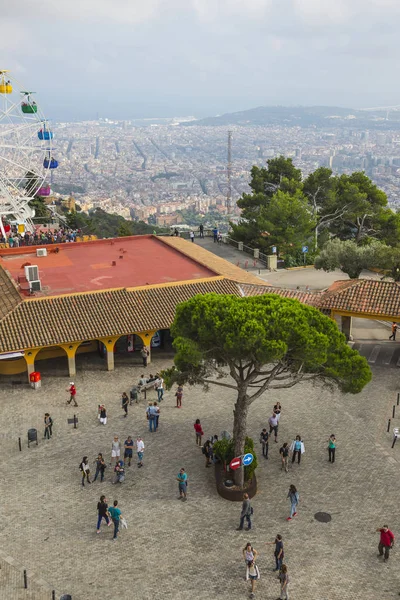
(103, 224)
(251, 345)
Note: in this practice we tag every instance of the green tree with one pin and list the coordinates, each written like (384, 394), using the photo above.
(124, 230)
(251, 345)
(349, 257)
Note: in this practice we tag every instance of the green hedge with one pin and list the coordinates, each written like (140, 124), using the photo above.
(225, 451)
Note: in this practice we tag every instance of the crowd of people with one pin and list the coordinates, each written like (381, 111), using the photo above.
(57, 236)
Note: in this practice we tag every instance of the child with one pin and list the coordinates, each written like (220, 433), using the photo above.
(119, 471)
(199, 432)
(103, 414)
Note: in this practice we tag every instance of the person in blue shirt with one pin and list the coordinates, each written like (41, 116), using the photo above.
(297, 448)
(182, 481)
(115, 514)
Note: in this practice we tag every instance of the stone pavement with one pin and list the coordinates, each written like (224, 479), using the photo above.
(181, 551)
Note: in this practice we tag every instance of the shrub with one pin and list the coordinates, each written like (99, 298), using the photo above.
(224, 450)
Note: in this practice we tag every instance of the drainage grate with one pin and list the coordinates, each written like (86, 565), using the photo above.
(323, 517)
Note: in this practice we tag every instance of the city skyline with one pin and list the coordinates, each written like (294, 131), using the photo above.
(135, 60)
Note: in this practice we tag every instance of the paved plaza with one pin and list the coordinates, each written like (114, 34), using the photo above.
(180, 551)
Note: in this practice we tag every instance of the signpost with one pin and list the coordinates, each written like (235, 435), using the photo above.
(247, 459)
(304, 250)
(235, 463)
(273, 249)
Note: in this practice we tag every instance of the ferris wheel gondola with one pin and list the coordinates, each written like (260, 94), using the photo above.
(26, 152)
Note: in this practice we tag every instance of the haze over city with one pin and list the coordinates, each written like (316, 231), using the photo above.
(129, 59)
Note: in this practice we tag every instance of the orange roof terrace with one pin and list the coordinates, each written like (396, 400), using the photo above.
(103, 264)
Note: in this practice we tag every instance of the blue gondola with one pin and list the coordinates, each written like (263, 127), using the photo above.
(45, 134)
(51, 163)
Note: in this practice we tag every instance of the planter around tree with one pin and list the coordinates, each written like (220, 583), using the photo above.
(233, 492)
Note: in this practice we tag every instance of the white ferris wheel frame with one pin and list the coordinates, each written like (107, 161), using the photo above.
(21, 151)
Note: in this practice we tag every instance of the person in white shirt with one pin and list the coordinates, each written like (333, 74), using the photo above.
(140, 450)
(273, 426)
(160, 387)
(115, 449)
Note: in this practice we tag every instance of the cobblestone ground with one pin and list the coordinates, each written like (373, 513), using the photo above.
(175, 550)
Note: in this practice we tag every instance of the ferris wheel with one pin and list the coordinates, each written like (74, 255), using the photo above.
(26, 152)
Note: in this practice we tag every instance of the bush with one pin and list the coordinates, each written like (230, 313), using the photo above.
(225, 451)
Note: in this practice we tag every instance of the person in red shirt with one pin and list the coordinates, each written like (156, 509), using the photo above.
(72, 393)
(199, 431)
(386, 542)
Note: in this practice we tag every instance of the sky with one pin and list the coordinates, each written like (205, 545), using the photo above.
(125, 59)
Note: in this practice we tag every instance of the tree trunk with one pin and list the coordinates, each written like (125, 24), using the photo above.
(239, 432)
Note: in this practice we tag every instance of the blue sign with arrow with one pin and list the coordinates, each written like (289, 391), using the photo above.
(304, 249)
(247, 459)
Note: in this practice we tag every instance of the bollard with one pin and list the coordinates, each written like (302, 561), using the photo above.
(398, 398)
(394, 440)
(388, 427)
(394, 409)
(25, 580)
(74, 421)
(53, 595)
(19, 444)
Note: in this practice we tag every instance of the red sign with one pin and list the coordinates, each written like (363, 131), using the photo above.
(235, 463)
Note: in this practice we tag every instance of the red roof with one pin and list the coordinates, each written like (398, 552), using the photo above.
(367, 296)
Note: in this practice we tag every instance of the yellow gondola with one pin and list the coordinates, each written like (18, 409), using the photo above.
(5, 86)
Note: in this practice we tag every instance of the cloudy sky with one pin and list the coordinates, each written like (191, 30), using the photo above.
(138, 58)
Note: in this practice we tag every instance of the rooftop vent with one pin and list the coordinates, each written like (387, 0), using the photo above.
(41, 252)
(32, 273)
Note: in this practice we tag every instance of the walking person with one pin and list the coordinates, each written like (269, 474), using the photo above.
(278, 552)
(278, 410)
(199, 432)
(294, 498)
(191, 235)
(151, 417)
(100, 467)
(48, 426)
(252, 573)
(273, 426)
(115, 514)
(160, 387)
(128, 450)
(182, 484)
(102, 511)
(84, 467)
(156, 410)
(115, 450)
(264, 438)
(72, 393)
(297, 448)
(103, 414)
(246, 513)
(284, 579)
(125, 403)
(215, 234)
(140, 451)
(179, 396)
(394, 331)
(284, 453)
(332, 448)
(386, 542)
(144, 353)
(207, 451)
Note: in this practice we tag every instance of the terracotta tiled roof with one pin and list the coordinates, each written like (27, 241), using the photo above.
(219, 265)
(366, 296)
(312, 299)
(86, 316)
(9, 295)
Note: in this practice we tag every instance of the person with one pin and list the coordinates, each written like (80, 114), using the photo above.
(156, 410)
(144, 353)
(48, 426)
(386, 542)
(264, 435)
(249, 554)
(278, 552)
(115, 449)
(273, 426)
(125, 402)
(207, 451)
(115, 514)
(199, 432)
(294, 498)
(102, 511)
(151, 417)
(394, 331)
(134, 395)
(278, 410)
(219, 238)
(72, 393)
(103, 414)
(201, 230)
(160, 387)
(191, 234)
(176, 232)
(140, 450)
(179, 395)
(119, 471)
(142, 380)
(284, 579)
(332, 448)
(297, 448)
(100, 467)
(128, 449)
(246, 513)
(182, 484)
(252, 573)
(215, 234)
(84, 467)
(284, 452)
